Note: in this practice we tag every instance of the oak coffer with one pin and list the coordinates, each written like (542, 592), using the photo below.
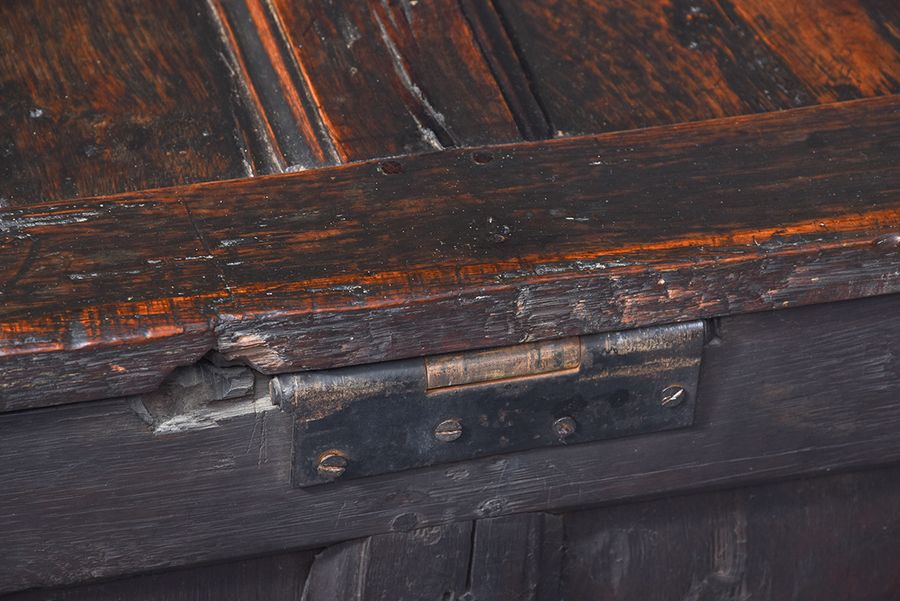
(459, 300)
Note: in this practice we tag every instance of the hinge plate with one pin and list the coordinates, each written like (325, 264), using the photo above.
(369, 420)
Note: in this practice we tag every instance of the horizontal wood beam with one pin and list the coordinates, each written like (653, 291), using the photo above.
(451, 250)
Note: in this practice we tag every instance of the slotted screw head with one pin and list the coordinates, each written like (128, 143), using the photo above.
(448, 430)
(672, 396)
(332, 464)
(564, 427)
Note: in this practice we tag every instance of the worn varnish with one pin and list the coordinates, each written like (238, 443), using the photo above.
(612, 65)
(105, 96)
(289, 132)
(456, 250)
(782, 393)
(396, 77)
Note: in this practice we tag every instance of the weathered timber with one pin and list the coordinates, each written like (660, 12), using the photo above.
(273, 578)
(835, 538)
(517, 557)
(547, 239)
(105, 96)
(360, 263)
(429, 563)
(782, 393)
(288, 129)
(622, 64)
(761, 541)
(395, 78)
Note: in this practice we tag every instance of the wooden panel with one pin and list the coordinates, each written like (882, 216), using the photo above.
(621, 64)
(396, 78)
(289, 130)
(429, 563)
(104, 96)
(517, 557)
(834, 538)
(360, 263)
(782, 393)
(276, 578)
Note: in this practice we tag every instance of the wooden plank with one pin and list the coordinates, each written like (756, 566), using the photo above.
(826, 538)
(359, 263)
(517, 557)
(623, 64)
(395, 78)
(428, 563)
(279, 577)
(104, 96)
(290, 129)
(782, 393)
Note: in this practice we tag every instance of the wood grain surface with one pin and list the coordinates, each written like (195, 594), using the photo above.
(620, 64)
(289, 131)
(396, 77)
(105, 96)
(455, 250)
(760, 542)
(95, 491)
(834, 538)
(273, 578)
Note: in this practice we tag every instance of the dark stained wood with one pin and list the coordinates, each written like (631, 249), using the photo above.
(506, 66)
(166, 288)
(275, 578)
(287, 123)
(621, 64)
(513, 557)
(396, 78)
(90, 491)
(358, 264)
(834, 538)
(517, 557)
(429, 563)
(105, 96)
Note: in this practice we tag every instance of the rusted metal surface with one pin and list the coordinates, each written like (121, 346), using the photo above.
(388, 418)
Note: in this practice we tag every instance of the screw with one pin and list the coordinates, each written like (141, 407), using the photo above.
(332, 464)
(564, 427)
(448, 430)
(672, 396)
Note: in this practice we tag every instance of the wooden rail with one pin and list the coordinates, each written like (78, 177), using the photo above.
(451, 250)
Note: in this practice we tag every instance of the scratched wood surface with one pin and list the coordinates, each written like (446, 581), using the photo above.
(290, 132)
(452, 250)
(827, 538)
(611, 65)
(101, 492)
(753, 542)
(105, 96)
(396, 77)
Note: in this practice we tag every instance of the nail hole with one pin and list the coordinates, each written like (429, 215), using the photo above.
(391, 167)
(482, 158)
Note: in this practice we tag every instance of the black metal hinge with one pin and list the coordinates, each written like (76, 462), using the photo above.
(363, 421)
